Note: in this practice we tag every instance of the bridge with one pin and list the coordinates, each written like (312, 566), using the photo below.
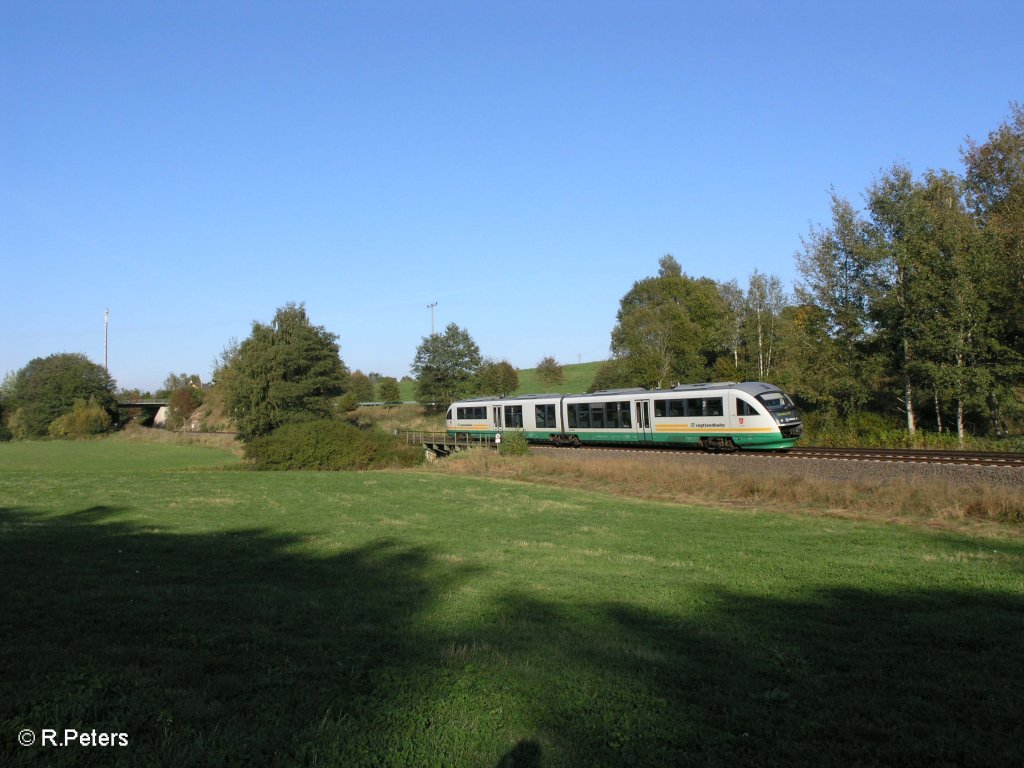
(442, 444)
(150, 406)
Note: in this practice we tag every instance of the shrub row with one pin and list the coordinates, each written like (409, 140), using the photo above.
(85, 419)
(328, 445)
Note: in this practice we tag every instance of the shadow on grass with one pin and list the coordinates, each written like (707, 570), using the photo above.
(846, 678)
(241, 649)
(212, 649)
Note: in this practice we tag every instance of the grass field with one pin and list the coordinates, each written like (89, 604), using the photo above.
(578, 378)
(422, 619)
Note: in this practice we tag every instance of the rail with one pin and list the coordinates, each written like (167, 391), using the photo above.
(905, 455)
(917, 455)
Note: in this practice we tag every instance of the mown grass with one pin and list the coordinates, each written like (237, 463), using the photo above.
(421, 619)
(578, 378)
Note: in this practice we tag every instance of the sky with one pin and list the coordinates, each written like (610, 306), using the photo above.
(194, 166)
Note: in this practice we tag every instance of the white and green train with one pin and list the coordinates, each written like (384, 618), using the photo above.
(716, 417)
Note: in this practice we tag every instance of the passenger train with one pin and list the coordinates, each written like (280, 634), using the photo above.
(723, 416)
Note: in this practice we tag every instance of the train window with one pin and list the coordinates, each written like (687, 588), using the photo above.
(624, 415)
(477, 412)
(545, 416)
(611, 411)
(449, 414)
(611, 415)
(597, 415)
(713, 407)
(660, 407)
(514, 416)
(694, 406)
(579, 415)
(775, 400)
(743, 408)
(677, 408)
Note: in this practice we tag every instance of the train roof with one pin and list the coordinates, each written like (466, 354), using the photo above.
(750, 387)
(497, 398)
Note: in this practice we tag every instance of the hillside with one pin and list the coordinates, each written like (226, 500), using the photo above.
(578, 378)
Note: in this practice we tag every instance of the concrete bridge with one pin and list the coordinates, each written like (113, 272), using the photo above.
(154, 409)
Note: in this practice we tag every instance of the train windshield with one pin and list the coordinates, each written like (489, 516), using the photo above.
(776, 401)
(780, 407)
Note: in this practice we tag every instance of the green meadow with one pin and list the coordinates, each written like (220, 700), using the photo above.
(224, 617)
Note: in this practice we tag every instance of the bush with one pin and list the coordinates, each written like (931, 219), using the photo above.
(183, 403)
(550, 371)
(514, 444)
(84, 420)
(48, 388)
(347, 402)
(328, 445)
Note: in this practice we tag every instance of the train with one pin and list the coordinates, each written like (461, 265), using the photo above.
(717, 417)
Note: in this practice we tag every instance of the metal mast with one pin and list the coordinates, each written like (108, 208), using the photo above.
(106, 340)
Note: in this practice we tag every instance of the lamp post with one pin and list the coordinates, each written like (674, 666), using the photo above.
(431, 308)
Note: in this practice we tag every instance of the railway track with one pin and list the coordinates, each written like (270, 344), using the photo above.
(963, 458)
(896, 455)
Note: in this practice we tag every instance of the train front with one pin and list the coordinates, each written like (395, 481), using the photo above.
(785, 413)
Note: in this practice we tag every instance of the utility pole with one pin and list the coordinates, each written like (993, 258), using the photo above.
(431, 308)
(106, 340)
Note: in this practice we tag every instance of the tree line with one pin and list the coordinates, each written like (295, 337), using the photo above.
(912, 306)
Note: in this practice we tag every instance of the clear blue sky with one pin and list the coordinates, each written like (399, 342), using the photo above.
(193, 166)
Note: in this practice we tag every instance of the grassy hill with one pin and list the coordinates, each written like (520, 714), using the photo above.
(578, 378)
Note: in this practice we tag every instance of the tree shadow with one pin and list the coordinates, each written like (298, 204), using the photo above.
(246, 647)
(845, 677)
(219, 649)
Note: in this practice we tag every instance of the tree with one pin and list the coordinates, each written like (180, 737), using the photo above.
(389, 391)
(444, 366)
(612, 374)
(901, 294)
(835, 269)
(49, 387)
(670, 328)
(735, 311)
(176, 381)
(764, 303)
(995, 191)
(285, 372)
(497, 378)
(360, 387)
(965, 353)
(550, 370)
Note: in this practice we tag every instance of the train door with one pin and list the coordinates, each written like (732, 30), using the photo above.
(642, 409)
(497, 418)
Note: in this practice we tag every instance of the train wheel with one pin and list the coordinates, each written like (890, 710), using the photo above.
(718, 444)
